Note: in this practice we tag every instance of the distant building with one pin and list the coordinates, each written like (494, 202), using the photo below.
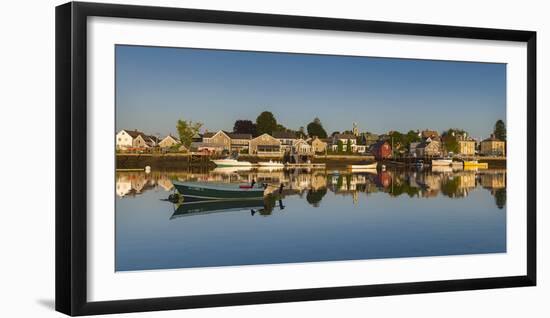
(466, 145)
(169, 141)
(239, 141)
(217, 138)
(301, 147)
(319, 146)
(493, 146)
(428, 148)
(286, 138)
(381, 150)
(412, 148)
(265, 145)
(345, 139)
(131, 139)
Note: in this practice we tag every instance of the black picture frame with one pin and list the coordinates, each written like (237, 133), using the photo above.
(71, 157)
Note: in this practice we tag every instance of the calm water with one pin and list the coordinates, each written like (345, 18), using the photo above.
(323, 216)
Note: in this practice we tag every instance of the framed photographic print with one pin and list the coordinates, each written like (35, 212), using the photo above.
(209, 158)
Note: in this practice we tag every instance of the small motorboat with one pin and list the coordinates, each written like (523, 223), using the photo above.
(231, 163)
(442, 162)
(476, 164)
(363, 167)
(206, 191)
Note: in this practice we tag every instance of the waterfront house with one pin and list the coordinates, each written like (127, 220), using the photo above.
(230, 141)
(493, 146)
(302, 148)
(428, 148)
(127, 138)
(345, 139)
(381, 150)
(239, 142)
(169, 141)
(265, 145)
(218, 138)
(151, 141)
(466, 145)
(319, 146)
(286, 138)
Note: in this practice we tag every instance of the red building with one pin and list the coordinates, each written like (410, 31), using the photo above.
(381, 150)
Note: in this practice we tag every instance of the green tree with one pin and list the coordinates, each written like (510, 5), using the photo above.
(410, 137)
(315, 128)
(266, 123)
(340, 146)
(186, 130)
(500, 130)
(348, 146)
(244, 126)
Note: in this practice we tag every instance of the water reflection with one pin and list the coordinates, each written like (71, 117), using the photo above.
(320, 215)
(313, 185)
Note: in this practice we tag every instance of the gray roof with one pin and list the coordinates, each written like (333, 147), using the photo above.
(284, 135)
(229, 134)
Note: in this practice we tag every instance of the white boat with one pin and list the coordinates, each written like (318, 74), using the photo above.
(442, 162)
(271, 164)
(231, 163)
(370, 166)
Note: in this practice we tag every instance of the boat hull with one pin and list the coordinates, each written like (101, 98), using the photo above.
(363, 167)
(205, 192)
(442, 162)
(475, 164)
(231, 163)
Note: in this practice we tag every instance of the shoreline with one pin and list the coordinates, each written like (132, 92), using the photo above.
(184, 161)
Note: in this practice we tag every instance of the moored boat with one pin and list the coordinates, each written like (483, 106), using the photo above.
(205, 191)
(231, 163)
(442, 162)
(369, 166)
(476, 164)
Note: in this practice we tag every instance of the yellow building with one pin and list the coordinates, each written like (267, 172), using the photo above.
(467, 147)
(493, 147)
(318, 145)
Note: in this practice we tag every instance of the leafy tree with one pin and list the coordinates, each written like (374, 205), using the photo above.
(244, 126)
(410, 137)
(186, 130)
(315, 128)
(340, 146)
(266, 123)
(500, 130)
(450, 140)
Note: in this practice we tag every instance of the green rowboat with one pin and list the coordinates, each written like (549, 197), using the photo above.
(205, 191)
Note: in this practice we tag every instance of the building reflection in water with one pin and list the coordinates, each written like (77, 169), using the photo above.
(313, 185)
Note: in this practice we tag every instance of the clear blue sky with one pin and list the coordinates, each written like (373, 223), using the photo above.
(155, 86)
